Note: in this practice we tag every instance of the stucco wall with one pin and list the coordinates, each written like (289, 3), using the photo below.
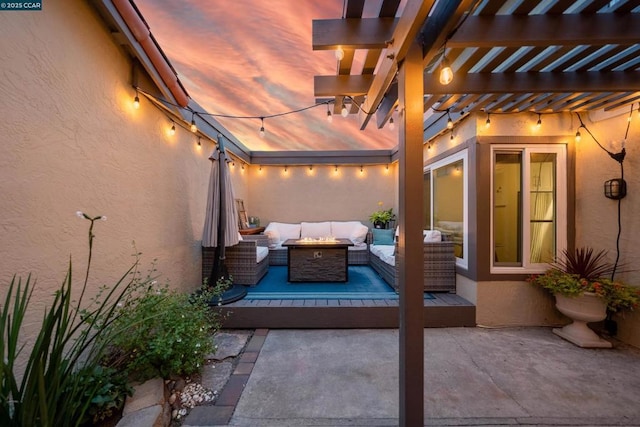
(321, 194)
(597, 224)
(502, 303)
(71, 140)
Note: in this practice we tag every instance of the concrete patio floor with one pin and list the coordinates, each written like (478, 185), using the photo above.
(473, 376)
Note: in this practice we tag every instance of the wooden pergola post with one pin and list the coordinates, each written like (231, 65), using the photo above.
(410, 242)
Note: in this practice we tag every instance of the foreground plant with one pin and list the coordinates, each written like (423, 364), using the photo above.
(53, 389)
(167, 333)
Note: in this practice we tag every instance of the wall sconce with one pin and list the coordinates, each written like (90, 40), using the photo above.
(615, 189)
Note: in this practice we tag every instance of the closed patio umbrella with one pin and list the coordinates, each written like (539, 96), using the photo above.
(221, 223)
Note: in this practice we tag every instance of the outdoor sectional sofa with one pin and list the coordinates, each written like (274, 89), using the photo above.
(278, 232)
(247, 262)
(439, 271)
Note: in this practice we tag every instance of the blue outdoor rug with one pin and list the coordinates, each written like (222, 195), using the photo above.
(364, 283)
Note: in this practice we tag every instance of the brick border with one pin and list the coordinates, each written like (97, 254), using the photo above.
(225, 404)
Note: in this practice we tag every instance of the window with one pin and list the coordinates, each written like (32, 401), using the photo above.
(529, 207)
(445, 196)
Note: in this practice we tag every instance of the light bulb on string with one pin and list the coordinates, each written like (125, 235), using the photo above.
(261, 127)
(329, 115)
(392, 125)
(578, 136)
(449, 121)
(488, 122)
(451, 137)
(172, 131)
(194, 128)
(539, 123)
(199, 143)
(339, 54)
(446, 73)
(136, 101)
(343, 111)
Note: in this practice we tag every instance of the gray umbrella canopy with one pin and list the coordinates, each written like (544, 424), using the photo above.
(221, 223)
(221, 218)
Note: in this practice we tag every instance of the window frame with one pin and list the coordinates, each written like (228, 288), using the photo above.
(560, 200)
(462, 155)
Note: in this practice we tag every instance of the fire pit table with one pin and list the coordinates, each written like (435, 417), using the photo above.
(317, 260)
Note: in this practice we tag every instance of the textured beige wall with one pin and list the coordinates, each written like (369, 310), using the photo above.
(321, 194)
(597, 224)
(71, 140)
(516, 303)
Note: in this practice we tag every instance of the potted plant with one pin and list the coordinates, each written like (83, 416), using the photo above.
(382, 217)
(584, 294)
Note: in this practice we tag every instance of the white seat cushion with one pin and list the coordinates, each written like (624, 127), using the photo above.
(386, 253)
(261, 253)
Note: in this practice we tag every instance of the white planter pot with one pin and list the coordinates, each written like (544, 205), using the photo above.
(582, 309)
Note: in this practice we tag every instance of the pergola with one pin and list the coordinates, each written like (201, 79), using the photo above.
(507, 56)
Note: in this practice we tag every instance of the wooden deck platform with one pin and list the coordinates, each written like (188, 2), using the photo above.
(445, 310)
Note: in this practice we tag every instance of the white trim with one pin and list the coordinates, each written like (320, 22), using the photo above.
(464, 156)
(561, 204)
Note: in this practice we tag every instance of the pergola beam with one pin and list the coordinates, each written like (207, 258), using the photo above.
(345, 85)
(501, 83)
(352, 33)
(404, 34)
(547, 30)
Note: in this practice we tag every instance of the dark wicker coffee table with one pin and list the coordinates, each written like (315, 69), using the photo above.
(317, 260)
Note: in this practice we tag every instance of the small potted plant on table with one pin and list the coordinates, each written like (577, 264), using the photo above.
(382, 217)
(584, 294)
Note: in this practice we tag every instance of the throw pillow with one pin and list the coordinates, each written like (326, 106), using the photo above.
(432, 236)
(359, 234)
(382, 236)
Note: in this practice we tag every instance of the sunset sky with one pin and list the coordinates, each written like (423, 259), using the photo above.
(254, 58)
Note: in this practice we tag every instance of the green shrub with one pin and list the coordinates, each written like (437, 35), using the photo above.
(165, 333)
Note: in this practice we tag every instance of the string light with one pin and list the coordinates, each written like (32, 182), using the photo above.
(172, 131)
(539, 123)
(392, 125)
(451, 137)
(261, 127)
(310, 167)
(194, 128)
(488, 122)
(285, 168)
(199, 143)
(446, 73)
(343, 111)
(136, 101)
(429, 147)
(449, 121)
(336, 169)
(329, 115)
(578, 136)
(339, 54)
(361, 169)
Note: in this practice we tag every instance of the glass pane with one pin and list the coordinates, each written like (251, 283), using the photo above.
(427, 201)
(543, 207)
(507, 209)
(448, 202)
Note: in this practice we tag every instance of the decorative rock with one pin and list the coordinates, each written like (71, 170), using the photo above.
(229, 344)
(215, 377)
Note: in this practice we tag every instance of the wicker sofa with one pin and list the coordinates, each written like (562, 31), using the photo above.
(439, 265)
(247, 262)
(278, 232)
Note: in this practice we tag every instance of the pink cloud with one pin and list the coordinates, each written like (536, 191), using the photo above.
(254, 58)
